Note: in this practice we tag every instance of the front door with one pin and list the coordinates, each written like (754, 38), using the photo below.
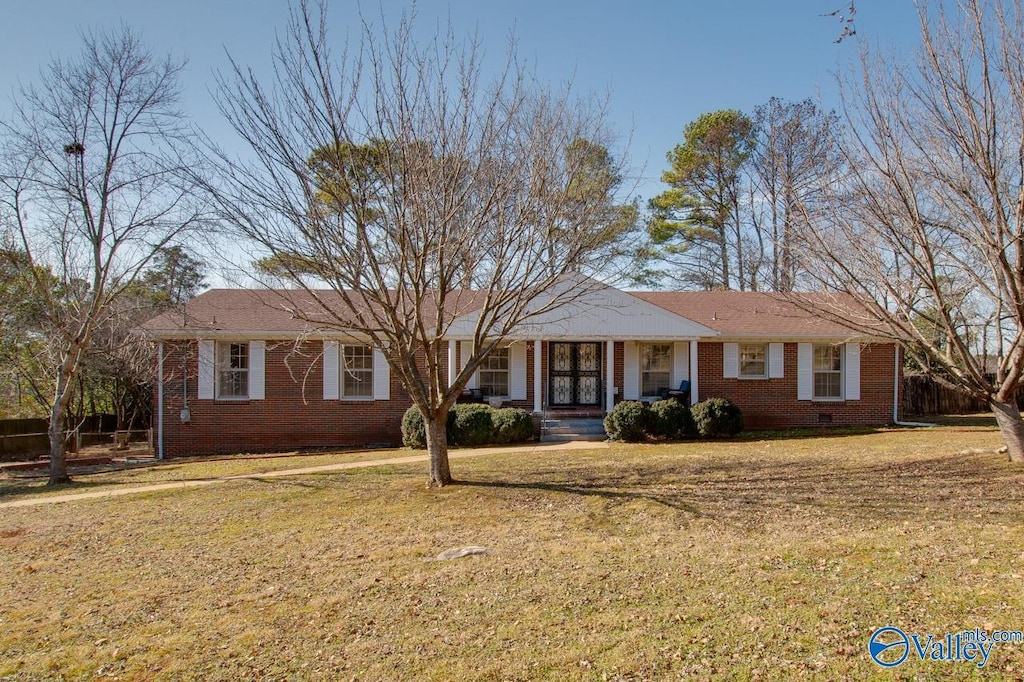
(575, 374)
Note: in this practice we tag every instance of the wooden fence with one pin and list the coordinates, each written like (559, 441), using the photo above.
(26, 438)
(922, 396)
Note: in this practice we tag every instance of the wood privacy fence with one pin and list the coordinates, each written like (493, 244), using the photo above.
(22, 438)
(922, 395)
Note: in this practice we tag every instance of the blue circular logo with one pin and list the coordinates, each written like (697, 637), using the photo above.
(889, 646)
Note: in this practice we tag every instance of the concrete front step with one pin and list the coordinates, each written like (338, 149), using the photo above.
(579, 428)
(566, 437)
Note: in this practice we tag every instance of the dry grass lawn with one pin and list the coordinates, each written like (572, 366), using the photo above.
(757, 558)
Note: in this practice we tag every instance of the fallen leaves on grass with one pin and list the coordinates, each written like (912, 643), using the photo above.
(753, 558)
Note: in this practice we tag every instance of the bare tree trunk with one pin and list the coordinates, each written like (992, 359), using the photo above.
(58, 444)
(437, 447)
(1012, 427)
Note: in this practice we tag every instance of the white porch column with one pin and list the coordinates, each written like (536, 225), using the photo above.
(453, 369)
(538, 383)
(160, 399)
(609, 382)
(693, 372)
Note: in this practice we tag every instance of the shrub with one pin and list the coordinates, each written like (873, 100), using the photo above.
(717, 417)
(511, 425)
(630, 421)
(672, 419)
(414, 433)
(472, 425)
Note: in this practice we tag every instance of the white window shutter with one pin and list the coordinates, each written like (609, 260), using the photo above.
(730, 360)
(466, 351)
(331, 373)
(257, 370)
(381, 376)
(852, 368)
(694, 372)
(680, 363)
(805, 371)
(205, 384)
(517, 371)
(776, 360)
(631, 366)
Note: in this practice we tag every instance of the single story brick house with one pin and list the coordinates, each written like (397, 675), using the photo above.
(239, 370)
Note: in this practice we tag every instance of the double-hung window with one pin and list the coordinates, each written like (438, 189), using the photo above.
(494, 373)
(753, 360)
(655, 368)
(828, 372)
(232, 370)
(357, 372)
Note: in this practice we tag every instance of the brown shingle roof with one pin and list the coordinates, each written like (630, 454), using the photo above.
(272, 311)
(753, 314)
(291, 312)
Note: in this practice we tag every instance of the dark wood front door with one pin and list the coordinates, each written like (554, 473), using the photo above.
(574, 371)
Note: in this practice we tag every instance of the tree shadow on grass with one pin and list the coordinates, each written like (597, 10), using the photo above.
(309, 481)
(750, 492)
(801, 433)
(605, 488)
(37, 487)
(963, 420)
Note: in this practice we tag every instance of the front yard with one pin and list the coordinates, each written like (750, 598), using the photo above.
(760, 558)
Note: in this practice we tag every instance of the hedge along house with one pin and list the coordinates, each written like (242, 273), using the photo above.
(239, 370)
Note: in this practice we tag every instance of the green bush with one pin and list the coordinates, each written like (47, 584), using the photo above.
(472, 425)
(630, 421)
(673, 420)
(414, 433)
(716, 418)
(511, 425)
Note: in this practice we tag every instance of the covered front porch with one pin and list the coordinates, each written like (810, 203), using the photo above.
(602, 347)
(579, 377)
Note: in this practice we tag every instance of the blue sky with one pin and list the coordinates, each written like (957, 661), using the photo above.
(662, 63)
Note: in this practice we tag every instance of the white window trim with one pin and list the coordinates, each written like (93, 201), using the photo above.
(341, 374)
(508, 372)
(640, 364)
(217, 360)
(739, 363)
(842, 375)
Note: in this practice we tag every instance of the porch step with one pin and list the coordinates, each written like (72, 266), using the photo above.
(577, 428)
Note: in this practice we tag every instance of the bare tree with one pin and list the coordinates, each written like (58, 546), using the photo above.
(929, 226)
(417, 191)
(94, 186)
(792, 164)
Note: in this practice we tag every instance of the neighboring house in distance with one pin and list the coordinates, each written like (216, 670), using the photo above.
(240, 371)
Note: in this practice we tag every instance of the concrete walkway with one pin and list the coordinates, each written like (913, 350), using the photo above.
(410, 459)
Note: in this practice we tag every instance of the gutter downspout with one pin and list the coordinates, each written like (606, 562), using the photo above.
(160, 402)
(896, 393)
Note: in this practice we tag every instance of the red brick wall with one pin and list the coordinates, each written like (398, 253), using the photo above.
(293, 415)
(772, 403)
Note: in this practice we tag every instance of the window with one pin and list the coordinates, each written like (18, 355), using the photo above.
(655, 368)
(828, 372)
(356, 372)
(494, 373)
(753, 360)
(232, 370)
